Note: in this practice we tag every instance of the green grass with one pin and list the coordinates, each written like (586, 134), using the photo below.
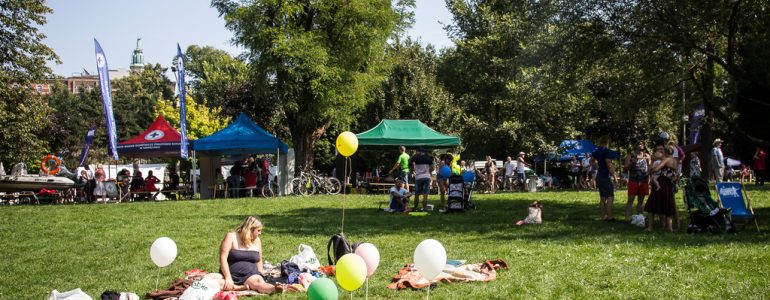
(102, 247)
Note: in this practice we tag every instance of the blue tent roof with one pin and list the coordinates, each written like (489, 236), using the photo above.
(241, 137)
(569, 148)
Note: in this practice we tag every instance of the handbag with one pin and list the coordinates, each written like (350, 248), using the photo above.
(306, 258)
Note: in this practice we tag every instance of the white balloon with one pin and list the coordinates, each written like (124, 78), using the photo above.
(163, 251)
(429, 258)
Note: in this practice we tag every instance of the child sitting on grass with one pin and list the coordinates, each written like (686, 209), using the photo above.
(535, 215)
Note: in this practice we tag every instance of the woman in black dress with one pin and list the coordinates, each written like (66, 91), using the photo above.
(240, 258)
(661, 200)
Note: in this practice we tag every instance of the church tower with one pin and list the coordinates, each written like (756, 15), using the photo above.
(137, 60)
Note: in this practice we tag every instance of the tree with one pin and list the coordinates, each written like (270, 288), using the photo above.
(202, 121)
(216, 78)
(73, 115)
(319, 60)
(135, 98)
(23, 114)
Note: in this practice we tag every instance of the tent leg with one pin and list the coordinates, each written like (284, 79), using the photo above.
(194, 182)
(278, 171)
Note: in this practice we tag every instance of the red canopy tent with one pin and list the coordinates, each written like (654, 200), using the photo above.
(160, 139)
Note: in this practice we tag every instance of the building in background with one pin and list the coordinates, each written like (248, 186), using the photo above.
(88, 82)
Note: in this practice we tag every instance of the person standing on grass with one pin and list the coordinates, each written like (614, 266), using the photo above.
(661, 201)
(717, 160)
(422, 164)
(509, 167)
(638, 165)
(604, 177)
(490, 167)
(759, 166)
(402, 166)
(520, 170)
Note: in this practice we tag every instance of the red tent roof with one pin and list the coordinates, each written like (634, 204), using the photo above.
(160, 131)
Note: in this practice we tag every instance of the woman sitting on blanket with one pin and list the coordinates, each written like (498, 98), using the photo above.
(240, 258)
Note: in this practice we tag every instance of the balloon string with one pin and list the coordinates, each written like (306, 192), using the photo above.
(428, 297)
(367, 289)
(157, 279)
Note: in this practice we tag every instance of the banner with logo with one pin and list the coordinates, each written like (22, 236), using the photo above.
(695, 123)
(104, 84)
(182, 102)
(89, 140)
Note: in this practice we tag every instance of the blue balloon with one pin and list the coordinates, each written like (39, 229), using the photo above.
(469, 176)
(446, 171)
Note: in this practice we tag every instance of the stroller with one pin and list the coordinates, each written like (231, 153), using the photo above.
(459, 194)
(705, 213)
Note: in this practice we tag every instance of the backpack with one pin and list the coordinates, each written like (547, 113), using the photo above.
(340, 245)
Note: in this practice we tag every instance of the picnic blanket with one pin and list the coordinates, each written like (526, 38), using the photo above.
(408, 277)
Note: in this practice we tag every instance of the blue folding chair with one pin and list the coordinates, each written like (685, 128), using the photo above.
(732, 195)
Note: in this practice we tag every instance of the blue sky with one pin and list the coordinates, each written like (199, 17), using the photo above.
(73, 25)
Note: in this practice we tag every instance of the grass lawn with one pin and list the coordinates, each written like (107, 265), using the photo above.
(100, 247)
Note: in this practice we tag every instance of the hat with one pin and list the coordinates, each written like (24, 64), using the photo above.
(521, 153)
(663, 135)
(422, 150)
(717, 141)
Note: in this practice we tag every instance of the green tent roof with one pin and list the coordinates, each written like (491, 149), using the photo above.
(409, 133)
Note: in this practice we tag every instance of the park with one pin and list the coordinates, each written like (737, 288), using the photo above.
(455, 149)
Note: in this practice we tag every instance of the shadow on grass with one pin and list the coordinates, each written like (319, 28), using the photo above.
(494, 219)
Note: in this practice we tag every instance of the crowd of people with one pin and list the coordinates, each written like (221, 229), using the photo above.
(94, 185)
(249, 173)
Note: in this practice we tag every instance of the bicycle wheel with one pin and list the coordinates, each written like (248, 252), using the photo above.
(333, 186)
(268, 190)
(298, 187)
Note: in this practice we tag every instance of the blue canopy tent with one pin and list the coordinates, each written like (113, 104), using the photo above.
(242, 137)
(570, 148)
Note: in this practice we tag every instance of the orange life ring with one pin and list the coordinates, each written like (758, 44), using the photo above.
(44, 167)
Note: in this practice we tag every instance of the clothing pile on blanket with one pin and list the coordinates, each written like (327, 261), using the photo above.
(408, 277)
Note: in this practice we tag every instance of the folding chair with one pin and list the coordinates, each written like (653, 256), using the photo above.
(731, 195)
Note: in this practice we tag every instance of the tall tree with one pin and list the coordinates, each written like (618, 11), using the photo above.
(135, 99)
(202, 120)
(320, 60)
(23, 56)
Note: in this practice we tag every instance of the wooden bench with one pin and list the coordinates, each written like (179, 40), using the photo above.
(382, 186)
(17, 197)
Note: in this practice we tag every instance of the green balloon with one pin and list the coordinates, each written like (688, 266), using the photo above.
(322, 289)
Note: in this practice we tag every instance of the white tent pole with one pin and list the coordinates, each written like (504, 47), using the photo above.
(194, 181)
(278, 170)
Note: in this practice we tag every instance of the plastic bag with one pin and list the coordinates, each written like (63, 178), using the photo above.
(306, 258)
(202, 289)
(76, 294)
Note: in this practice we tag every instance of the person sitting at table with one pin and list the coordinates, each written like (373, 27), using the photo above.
(137, 182)
(149, 185)
(399, 197)
(172, 184)
(123, 180)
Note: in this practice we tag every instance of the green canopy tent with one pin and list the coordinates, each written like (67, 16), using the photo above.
(409, 133)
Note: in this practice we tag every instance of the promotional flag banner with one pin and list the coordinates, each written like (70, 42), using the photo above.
(695, 123)
(89, 141)
(104, 84)
(182, 102)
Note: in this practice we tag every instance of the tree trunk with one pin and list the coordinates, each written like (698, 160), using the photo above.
(708, 118)
(304, 139)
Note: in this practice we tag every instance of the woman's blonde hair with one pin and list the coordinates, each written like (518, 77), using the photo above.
(244, 232)
(669, 148)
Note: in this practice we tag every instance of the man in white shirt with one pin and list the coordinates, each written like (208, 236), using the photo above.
(717, 160)
(509, 168)
(399, 197)
(520, 168)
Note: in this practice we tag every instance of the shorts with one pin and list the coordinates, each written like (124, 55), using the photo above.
(606, 189)
(404, 176)
(640, 188)
(422, 186)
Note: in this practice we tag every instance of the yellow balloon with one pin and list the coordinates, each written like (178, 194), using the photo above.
(351, 272)
(347, 143)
